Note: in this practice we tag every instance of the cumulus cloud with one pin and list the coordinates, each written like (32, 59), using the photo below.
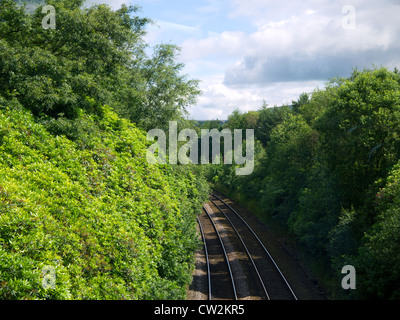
(294, 44)
(262, 70)
(219, 100)
(245, 52)
(310, 45)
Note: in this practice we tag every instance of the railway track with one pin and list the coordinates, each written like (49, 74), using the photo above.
(238, 264)
(220, 278)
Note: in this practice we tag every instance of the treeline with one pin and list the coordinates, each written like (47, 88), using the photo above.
(77, 195)
(328, 170)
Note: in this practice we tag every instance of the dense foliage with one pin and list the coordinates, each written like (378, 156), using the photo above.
(94, 56)
(327, 170)
(76, 191)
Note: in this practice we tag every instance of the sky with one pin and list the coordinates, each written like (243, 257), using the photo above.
(246, 52)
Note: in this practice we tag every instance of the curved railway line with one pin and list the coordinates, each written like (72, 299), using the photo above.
(238, 265)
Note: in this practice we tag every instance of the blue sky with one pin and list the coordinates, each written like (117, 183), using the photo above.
(201, 16)
(248, 51)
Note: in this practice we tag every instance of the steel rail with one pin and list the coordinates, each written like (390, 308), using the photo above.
(225, 254)
(260, 242)
(207, 260)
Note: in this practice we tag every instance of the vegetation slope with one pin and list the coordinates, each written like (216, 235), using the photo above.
(78, 198)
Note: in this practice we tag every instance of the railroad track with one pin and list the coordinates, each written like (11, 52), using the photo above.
(220, 278)
(238, 264)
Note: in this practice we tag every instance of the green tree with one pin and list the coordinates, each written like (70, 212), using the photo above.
(169, 94)
(289, 157)
(251, 119)
(95, 56)
(303, 99)
(360, 132)
(378, 259)
(267, 120)
(235, 120)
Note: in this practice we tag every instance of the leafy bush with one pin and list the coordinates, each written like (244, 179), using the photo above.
(112, 225)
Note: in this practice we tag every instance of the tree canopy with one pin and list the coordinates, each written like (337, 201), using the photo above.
(95, 56)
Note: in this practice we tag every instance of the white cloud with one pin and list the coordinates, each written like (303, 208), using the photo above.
(293, 47)
(223, 44)
(306, 33)
(296, 43)
(219, 100)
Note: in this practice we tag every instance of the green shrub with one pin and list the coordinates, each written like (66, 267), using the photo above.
(110, 224)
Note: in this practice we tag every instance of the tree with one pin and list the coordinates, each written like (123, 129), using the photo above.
(168, 93)
(378, 259)
(360, 131)
(289, 157)
(235, 120)
(267, 120)
(251, 119)
(95, 56)
(303, 99)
